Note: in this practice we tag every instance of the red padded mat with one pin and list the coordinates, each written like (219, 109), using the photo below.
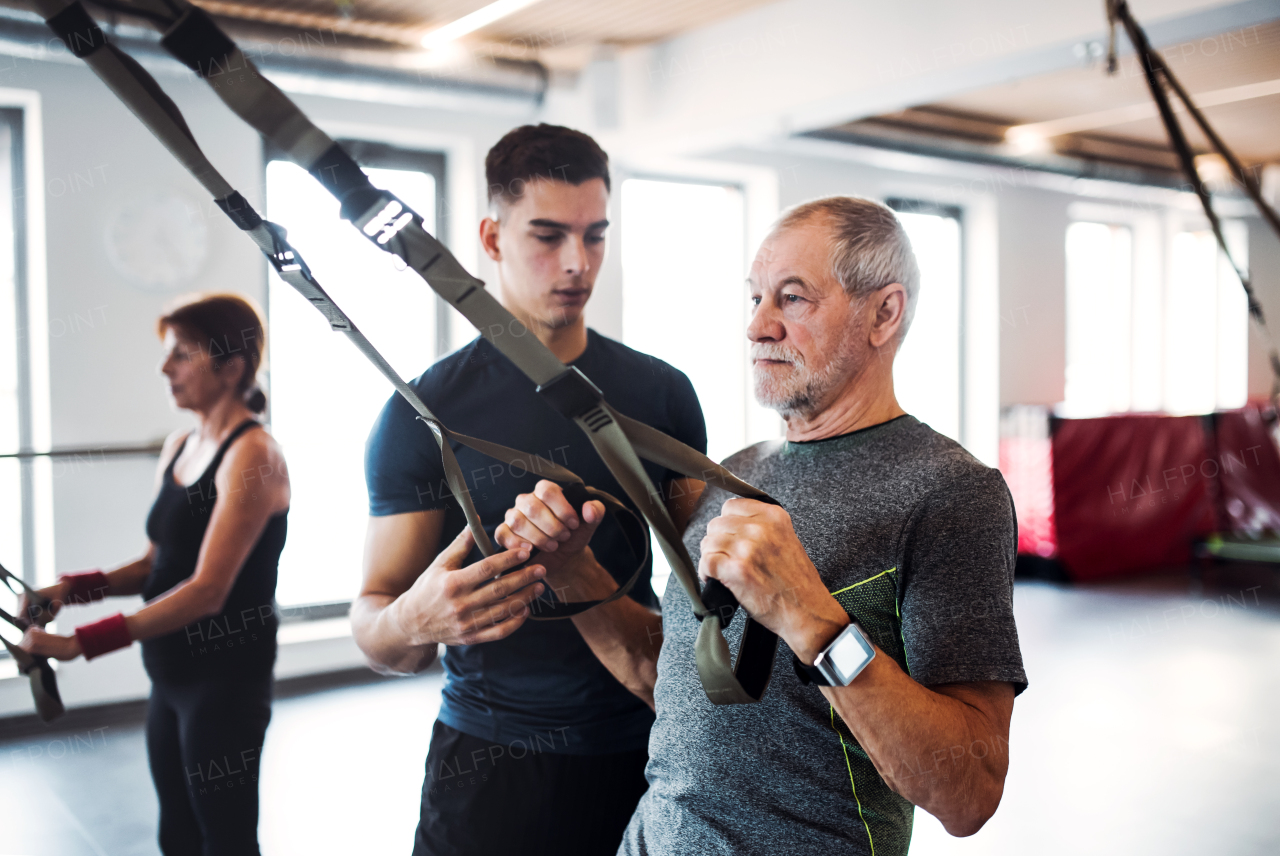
(1130, 492)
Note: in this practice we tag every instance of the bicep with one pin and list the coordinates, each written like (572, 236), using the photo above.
(398, 548)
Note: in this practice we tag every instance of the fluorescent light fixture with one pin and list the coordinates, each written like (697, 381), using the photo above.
(482, 17)
(1138, 112)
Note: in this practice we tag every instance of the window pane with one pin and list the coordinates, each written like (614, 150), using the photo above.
(1099, 323)
(683, 292)
(324, 394)
(926, 372)
(1206, 326)
(685, 301)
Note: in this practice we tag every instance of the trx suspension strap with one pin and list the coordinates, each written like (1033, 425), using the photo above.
(1158, 76)
(44, 682)
(142, 94)
(194, 39)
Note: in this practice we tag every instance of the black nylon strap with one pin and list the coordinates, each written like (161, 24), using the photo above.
(240, 211)
(342, 177)
(808, 674)
(198, 43)
(77, 31)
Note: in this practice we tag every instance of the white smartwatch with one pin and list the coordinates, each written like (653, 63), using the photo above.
(841, 661)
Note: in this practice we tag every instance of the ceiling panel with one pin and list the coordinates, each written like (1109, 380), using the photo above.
(551, 23)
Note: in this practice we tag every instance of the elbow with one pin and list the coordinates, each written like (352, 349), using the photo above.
(208, 600)
(975, 815)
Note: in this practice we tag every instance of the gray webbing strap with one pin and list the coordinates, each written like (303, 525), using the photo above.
(198, 42)
(135, 87)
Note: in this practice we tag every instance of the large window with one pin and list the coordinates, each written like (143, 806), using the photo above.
(683, 297)
(1099, 320)
(685, 300)
(1177, 345)
(324, 394)
(928, 371)
(1206, 325)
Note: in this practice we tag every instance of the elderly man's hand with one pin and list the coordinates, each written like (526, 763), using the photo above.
(752, 548)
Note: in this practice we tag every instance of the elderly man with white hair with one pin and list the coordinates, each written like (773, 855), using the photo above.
(887, 573)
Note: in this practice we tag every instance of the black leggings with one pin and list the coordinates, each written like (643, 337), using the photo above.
(204, 742)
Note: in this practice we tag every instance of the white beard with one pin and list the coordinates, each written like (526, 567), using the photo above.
(798, 390)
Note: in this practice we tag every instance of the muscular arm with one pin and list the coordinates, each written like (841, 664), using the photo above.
(624, 635)
(397, 549)
(416, 596)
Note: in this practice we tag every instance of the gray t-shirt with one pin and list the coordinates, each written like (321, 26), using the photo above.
(916, 539)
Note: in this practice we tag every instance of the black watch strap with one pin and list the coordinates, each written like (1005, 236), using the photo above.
(809, 674)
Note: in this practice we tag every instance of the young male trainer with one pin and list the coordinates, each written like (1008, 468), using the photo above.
(887, 525)
(537, 748)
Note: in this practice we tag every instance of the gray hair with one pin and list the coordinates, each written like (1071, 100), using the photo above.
(869, 247)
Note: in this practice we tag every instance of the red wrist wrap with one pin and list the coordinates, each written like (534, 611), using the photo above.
(102, 637)
(86, 586)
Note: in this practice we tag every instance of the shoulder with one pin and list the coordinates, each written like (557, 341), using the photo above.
(449, 380)
(255, 448)
(639, 365)
(949, 475)
(171, 445)
(748, 459)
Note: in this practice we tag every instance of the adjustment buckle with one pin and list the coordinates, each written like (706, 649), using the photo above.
(571, 393)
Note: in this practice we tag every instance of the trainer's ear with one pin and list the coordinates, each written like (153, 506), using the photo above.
(489, 238)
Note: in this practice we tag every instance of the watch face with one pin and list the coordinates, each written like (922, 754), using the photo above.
(849, 654)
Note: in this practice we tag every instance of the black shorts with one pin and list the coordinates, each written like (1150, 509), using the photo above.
(481, 797)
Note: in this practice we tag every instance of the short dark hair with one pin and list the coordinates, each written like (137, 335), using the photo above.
(543, 151)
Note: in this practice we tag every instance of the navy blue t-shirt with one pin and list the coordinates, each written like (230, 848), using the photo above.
(541, 686)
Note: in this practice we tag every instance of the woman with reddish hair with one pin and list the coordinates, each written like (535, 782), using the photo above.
(208, 576)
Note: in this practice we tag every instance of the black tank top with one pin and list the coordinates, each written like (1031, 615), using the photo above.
(241, 640)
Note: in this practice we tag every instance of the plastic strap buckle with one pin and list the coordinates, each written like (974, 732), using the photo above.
(572, 393)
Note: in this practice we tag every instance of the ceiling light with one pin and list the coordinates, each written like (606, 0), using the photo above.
(1026, 140)
(482, 17)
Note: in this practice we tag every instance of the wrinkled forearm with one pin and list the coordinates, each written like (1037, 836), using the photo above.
(940, 753)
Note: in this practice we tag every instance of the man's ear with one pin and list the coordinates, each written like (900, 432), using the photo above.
(489, 238)
(890, 304)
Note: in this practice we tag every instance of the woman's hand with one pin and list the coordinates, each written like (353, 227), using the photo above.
(36, 641)
(57, 595)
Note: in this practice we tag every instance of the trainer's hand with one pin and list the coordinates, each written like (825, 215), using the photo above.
(459, 605)
(753, 549)
(36, 641)
(545, 519)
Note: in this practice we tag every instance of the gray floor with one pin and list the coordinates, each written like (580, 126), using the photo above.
(1149, 728)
